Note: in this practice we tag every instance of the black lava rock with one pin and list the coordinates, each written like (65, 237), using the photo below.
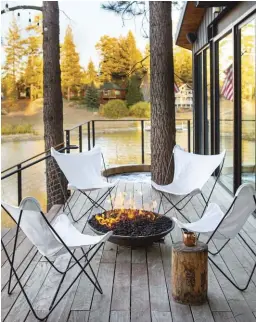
(140, 226)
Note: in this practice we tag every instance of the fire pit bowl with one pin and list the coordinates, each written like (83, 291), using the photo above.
(131, 227)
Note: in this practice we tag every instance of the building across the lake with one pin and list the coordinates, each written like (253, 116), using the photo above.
(184, 97)
(109, 91)
(222, 38)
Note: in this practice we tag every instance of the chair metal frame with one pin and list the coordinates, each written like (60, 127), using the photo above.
(95, 203)
(205, 199)
(85, 255)
(218, 251)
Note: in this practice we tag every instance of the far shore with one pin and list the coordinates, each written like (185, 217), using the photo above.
(34, 137)
(73, 114)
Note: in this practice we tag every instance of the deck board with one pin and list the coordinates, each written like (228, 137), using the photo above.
(136, 282)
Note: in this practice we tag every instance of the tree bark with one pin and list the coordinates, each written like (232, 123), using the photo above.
(190, 273)
(161, 91)
(53, 104)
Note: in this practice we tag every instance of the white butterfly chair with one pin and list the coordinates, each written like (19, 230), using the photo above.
(60, 236)
(83, 172)
(216, 224)
(191, 172)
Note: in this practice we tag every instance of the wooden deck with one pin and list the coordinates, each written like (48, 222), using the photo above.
(135, 282)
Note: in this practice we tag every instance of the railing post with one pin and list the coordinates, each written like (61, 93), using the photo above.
(188, 125)
(89, 135)
(19, 184)
(80, 138)
(93, 133)
(68, 140)
(142, 141)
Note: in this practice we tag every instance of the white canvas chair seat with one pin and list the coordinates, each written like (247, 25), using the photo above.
(176, 189)
(100, 185)
(208, 223)
(82, 170)
(83, 173)
(233, 221)
(191, 172)
(73, 237)
(38, 232)
(50, 239)
(217, 224)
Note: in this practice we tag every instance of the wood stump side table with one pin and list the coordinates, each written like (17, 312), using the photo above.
(189, 273)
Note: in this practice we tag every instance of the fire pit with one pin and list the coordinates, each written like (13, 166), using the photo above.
(131, 227)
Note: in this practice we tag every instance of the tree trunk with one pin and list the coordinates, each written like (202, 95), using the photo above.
(190, 273)
(53, 105)
(161, 91)
(68, 93)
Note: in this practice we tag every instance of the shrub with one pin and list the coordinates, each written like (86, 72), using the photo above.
(115, 109)
(140, 109)
(8, 129)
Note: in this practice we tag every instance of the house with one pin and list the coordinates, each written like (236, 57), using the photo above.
(222, 38)
(109, 91)
(184, 97)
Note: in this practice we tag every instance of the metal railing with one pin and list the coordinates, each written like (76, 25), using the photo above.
(20, 167)
(91, 140)
(91, 135)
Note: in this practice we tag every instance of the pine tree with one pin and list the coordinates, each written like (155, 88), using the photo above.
(119, 57)
(92, 97)
(134, 94)
(109, 51)
(91, 74)
(134, 55)
(70, 67)
(13, 63)
(34, 67)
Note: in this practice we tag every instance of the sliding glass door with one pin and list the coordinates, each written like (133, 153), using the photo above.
(248, 101)
(226, 107)
(229, 113)
(203, 102)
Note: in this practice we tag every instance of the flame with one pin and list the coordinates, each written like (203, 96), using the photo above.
(112, 217)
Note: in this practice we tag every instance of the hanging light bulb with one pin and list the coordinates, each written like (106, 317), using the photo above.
(29, 20)
(18, 14)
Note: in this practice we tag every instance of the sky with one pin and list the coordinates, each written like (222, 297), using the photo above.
(89, 22)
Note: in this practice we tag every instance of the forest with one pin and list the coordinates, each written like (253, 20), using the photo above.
(121, 62)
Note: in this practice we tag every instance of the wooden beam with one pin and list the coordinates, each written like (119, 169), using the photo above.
(211, 4)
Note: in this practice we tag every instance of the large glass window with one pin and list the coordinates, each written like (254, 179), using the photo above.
(208, 101)
(203, 101)
(248, 100)
(226, 107)
(200, 103)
